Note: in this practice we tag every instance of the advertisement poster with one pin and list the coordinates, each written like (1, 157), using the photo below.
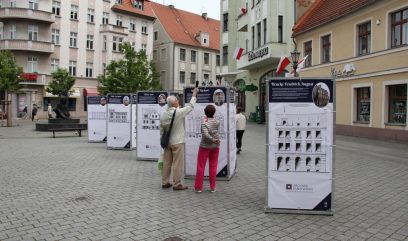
(300, 144)
(150, 107)
(119, 121)
(216, 96)
(97, 118)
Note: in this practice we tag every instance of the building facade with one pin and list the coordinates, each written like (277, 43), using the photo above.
(80, 36)
(263, 29)
(364, 45)
(186, 47)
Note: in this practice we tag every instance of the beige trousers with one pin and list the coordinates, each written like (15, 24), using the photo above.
(173, 156)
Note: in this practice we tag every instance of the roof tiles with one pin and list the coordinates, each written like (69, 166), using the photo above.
(127, 7)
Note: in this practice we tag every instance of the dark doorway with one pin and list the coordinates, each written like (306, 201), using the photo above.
(240, 87)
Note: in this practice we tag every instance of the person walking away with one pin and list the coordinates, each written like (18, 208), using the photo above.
(25, 115)
(34, 112)
(209, 149)
(174, 152)
(49, 110)
(241, 125)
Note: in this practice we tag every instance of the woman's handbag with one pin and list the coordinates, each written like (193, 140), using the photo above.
(165, 138)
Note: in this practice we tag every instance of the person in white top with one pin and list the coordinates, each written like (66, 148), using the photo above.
(49, 110)
(241, 124)
(174, 153)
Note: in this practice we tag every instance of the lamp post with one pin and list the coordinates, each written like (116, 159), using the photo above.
(295, 58)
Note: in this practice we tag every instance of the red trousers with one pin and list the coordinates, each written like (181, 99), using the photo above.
(212, 155)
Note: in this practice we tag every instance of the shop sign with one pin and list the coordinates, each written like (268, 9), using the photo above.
(258, 53)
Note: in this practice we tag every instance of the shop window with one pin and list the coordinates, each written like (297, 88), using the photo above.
(363, 104)
(397, 100)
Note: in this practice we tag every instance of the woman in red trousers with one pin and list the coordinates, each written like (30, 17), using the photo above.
(209, 149)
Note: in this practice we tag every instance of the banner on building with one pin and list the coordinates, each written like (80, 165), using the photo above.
(220, 98)
(150, 107)
(300, 145)
(97, 107)
(119, 122)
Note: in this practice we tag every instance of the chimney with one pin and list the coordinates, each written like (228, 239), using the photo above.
(171, 6)
(204, 15)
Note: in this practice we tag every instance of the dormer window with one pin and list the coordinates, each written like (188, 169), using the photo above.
(138, 4)
(119, 1)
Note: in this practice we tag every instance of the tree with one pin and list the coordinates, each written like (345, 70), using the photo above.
(61, 85)
(131, 74)
(9, 78)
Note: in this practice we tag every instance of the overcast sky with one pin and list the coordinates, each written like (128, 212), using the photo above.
(212, 7)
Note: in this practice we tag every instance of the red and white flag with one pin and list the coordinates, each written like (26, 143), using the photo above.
(238, 53)
(301, 63)
(284, 61)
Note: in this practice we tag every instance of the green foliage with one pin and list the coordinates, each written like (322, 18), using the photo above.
(9, 72)
(61, 83)
(130, 74)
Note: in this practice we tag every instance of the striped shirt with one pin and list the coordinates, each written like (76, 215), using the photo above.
(209, 132)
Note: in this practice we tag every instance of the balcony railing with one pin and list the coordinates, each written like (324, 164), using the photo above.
(25, 13)
(28, 78)
(113, 29)
(27, 45)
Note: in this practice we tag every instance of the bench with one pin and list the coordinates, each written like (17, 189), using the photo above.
(79, 129)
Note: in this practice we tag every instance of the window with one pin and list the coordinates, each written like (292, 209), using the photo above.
(144, 29)
(182, 77)
(116, 41)
(118, 1)
(258, 31)
(74, 12)
(89, 41)
(326, 46)
(105, 43)
(397, 104)
(253, 37)
(32, 33)
(91, 14)
(88, 71)
(225, 22)
(33, 4)
(104, 68)
(55, 36)
(154, 54)
(363, 104)
(134, 46)
(399, 28)
(1, 32)
(308, 52)
(264, 31)
(193, 77)
(280, 29)
(225, 55)
(364, 38)
(56, 8)
(163, 54)
(105, 18)
(13, 30)
(13, 3)
(206, 58)
(193, 56)
(32, 64)
(54, 64)
(144, 47)
(119, 21)
(207, 79)
(182, 55)
(72, 68)
(217, 60)
(1, 3)
(73, 40)
(132, 24)
(156, 36)
(138, 4)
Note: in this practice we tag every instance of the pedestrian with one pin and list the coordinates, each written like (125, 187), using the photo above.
(25, 115)
(49, 110)
(241, 124)
(34, 112)
(174, 152)
(209, 149)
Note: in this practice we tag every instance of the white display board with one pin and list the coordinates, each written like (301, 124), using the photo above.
(300, 145)
(150, 107)
(119, 121)
(96, 107)
(219, 97)
(133, 122)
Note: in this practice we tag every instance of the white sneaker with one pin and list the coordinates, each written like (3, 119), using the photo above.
(213, 190)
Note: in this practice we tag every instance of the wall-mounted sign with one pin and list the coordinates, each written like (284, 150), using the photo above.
(258, 53)
(348, 70)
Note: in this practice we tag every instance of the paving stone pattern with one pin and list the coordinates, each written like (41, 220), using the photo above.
(68, 189)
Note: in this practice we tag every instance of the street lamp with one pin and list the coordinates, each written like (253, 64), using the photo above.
(295, 58)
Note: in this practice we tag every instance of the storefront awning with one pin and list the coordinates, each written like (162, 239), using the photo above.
(91, 92)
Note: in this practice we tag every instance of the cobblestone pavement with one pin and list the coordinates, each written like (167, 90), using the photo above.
(68, 189)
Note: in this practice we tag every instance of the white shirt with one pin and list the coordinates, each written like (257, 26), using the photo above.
(177, 131)
(241, 122)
